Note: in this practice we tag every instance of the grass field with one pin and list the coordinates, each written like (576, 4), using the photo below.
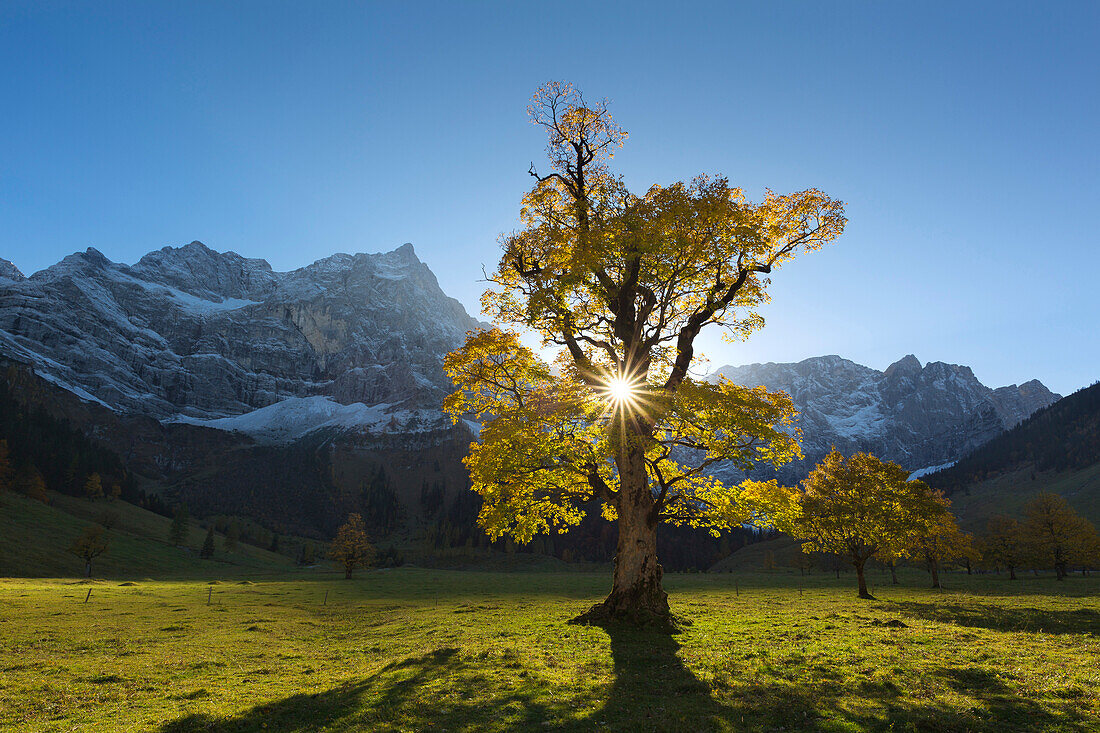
(412, 649)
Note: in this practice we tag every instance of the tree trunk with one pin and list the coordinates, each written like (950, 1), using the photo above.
(636, 593)
(88, 569)
(968, 566)
(893, 573)
(1011, 572)
(934, 567)
(862, 580)
(347, 572)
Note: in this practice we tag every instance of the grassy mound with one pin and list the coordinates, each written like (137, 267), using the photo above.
(35, 537)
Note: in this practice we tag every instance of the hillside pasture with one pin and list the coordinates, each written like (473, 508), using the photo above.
(412, 649)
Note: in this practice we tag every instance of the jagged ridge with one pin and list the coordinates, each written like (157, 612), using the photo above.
(193, 332)
(916, 415)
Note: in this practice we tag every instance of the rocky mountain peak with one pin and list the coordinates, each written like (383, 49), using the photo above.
(906, 365)
(406, 252)
(196, 269)
(9, 271)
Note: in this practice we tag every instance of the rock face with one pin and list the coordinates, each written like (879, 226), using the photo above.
(205, 335)
(919, 416)
(8, 271)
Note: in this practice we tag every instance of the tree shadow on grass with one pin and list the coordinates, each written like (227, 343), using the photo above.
(1001, 618)
(652, 690)
(433, 691)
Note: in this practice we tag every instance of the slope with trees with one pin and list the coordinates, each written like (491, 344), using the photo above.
(1062, 437)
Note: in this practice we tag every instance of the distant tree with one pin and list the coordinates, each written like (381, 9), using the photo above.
(801, 560)
(379, 503)
(177, 531)
(858, 508)
(232, 535)
(942, 541)
(352, 548)
(116, 492)
(29, 481)
(1003, 544)
(108, 519)
(207, 550)
(1058, 535)
(1089, 556)
(769, 560)
(274, 546)
(90, 545)
(7, 475)
(93, 487)
(307, 554)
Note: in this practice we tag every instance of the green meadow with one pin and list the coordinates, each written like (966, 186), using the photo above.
(413, 649)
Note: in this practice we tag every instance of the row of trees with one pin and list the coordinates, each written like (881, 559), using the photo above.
(1052, 535)
(862, 508)
(46, 451)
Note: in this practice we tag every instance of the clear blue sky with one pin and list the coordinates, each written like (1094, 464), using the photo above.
(963, 137)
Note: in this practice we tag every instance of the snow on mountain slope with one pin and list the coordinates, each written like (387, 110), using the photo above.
(917, 415)
(190, 331)
(296, 417)
(930, 469)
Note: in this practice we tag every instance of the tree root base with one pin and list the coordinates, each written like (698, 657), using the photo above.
(603, 615)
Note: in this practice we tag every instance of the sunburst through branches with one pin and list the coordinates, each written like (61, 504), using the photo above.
(623, 393)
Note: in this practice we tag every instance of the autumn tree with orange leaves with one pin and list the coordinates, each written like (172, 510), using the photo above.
(621, 285)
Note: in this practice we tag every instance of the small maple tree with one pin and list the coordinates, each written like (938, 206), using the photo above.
(352, 548)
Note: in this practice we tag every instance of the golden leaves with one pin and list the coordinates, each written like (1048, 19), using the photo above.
(625, 283)
(858, 505)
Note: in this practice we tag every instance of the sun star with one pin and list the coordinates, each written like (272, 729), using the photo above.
(619, 390)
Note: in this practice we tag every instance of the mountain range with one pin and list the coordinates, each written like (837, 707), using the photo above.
(921, 416)
(278, 395)
(238, 389)
(190, 333)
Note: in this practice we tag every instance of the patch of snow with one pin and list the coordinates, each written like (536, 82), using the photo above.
(294, 418)
(864, 422)
(196, 304)
(929, 469)
(81, 393)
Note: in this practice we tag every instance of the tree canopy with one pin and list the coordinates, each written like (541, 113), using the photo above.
(1003, 544)
(1058, 536)
(89, 545)
(857, 507)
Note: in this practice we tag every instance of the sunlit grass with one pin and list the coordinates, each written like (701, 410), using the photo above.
(413, 649)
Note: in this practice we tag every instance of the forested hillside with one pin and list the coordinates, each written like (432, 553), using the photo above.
(45, 452)
(1062, 437)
